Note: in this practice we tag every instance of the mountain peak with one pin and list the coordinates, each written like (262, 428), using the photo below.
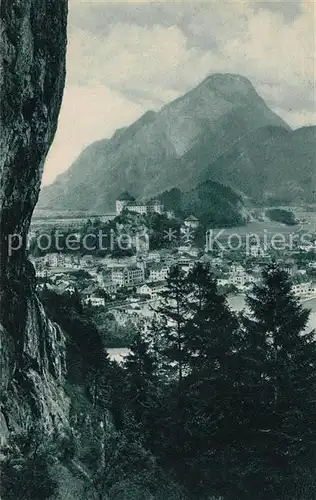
(233, 78)
(228, 83)
(221, 130)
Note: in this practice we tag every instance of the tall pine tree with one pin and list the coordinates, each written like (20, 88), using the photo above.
(212, 334)
(141, 369)
(212, 327)
(279, 377)
(175, 311)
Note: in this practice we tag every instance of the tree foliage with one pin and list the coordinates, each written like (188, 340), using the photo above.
(25, 471)
(235, 416)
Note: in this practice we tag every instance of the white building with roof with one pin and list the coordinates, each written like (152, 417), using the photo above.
(128, 276)
(94, 301)
(191, 222)
(304, 289)
(158, 272)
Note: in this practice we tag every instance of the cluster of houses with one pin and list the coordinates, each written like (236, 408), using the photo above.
(60, 272)
(144, 275)
(62, 260)
(148, 271)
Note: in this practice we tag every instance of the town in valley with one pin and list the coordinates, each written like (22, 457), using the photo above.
(126, 284)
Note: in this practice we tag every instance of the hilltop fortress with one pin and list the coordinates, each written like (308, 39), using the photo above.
(128, 202)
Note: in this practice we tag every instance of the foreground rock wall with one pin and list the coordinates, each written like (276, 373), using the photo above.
(32, 77)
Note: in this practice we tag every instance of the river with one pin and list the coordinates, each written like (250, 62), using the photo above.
(237, 303)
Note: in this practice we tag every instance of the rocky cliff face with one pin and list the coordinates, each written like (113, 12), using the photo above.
(32, 81)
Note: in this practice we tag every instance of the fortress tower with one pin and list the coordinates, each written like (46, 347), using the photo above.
(122, 201)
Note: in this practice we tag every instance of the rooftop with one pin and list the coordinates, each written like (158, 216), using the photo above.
(135, 203)
(156, 267)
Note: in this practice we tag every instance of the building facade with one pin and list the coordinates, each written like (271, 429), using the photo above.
(158, 272)
(128, 276)
(126, 201)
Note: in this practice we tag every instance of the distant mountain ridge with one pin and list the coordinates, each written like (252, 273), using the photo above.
(222, 130)
(278, 166)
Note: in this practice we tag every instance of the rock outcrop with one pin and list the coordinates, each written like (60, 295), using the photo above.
(34, 37)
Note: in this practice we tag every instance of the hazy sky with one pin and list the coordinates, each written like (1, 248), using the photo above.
(127, 57)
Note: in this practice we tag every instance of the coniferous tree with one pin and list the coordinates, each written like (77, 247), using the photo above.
(279, 377)
(211, 389)
(167, 335)
(175, 311)
(155, 335)
(212, 328)
(198, 421)
(141, 379)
